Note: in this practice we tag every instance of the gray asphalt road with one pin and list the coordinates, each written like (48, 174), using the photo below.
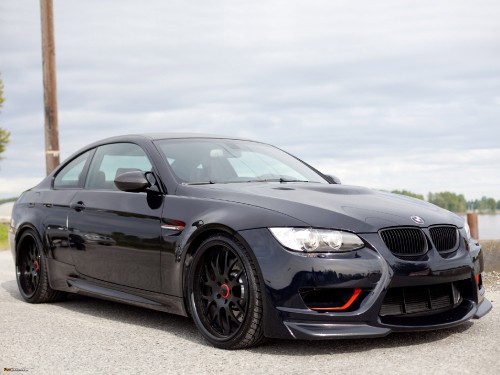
(90, 336)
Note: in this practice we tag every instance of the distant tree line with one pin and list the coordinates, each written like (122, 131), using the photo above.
(456, 202)
(408, 194)
(7, 200)
(447, 200)
(4, 134)
(485, 204)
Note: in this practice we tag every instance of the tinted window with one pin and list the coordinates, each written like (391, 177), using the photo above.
(70, 177)
(112, 160)
(224, 160)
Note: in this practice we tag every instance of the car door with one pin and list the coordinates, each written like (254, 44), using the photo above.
(115, 235)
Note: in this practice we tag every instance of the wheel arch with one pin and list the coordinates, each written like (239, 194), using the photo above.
(23, 228)
(193, 245)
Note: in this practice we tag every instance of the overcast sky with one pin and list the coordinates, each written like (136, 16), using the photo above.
(385, 94)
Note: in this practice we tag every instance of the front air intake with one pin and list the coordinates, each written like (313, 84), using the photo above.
(420, 299)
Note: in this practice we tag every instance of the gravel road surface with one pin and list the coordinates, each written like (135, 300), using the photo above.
(91, 336)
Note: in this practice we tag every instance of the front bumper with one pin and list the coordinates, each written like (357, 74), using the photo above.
(289, 277)
(320, 331)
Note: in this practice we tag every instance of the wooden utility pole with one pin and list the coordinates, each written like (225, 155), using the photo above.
(473, 226)
(49, 86)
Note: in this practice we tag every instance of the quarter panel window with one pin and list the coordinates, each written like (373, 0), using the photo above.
(71, 177)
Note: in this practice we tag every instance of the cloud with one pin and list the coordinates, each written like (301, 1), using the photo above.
(384, 94)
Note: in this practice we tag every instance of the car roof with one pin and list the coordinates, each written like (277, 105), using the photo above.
(141, 137)
(169, 135)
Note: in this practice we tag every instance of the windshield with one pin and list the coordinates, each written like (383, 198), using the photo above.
(223, 161)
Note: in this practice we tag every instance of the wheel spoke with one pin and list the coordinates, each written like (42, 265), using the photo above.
(208, 298)
(209, 271)
(230, 268)
(33, 253)
(233, 319)
(210, 305)
(218, 264)
(214, 316)
(236, 303)
(238, 275)
(230, 323)
(223, 322)
(226, 260)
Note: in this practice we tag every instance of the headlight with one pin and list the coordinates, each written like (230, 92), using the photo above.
(467, 229)
(317, 240)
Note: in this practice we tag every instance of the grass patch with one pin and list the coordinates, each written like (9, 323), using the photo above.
(4, 239)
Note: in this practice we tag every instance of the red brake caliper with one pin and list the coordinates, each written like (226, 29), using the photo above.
(37, 267)
(224, 291)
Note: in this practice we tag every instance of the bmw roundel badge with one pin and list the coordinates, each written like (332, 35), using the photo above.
(417, 219)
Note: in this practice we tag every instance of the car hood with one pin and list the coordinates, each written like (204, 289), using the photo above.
(344, 207)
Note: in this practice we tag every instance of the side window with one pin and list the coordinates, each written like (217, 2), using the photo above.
(112, 160)
(70, 177)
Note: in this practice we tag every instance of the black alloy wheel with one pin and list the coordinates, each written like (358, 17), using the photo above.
(31, 270)
(224, 294)
(28, 267)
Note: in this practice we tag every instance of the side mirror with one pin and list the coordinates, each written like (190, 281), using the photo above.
(332, 179)
(133, 182)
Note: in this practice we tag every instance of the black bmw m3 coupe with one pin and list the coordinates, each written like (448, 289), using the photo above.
(248, 240)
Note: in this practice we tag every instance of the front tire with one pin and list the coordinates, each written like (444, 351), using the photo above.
(31, 270)
(224, 294)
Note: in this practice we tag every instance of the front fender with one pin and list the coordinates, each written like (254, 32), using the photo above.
(209, 217)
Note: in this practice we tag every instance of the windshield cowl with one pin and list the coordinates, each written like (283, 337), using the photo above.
(280, 180)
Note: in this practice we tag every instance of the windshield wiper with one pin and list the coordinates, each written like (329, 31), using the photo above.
(281, 180)
(210, 182)
(291, 180)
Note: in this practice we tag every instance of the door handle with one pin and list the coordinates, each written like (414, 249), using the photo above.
(78, 206)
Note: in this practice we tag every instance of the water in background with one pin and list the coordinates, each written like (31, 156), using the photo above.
(489, 227)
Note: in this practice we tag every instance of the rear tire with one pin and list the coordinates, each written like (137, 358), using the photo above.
(224, 294)
(31, 270)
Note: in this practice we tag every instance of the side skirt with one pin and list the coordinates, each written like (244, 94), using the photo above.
(64, 277)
